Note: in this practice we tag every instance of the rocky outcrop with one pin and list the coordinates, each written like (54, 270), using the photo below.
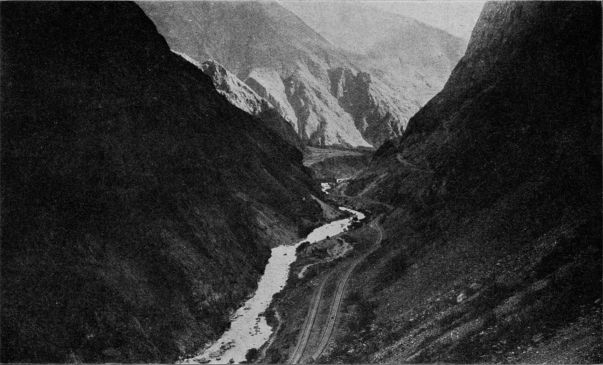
(243, 97)
(235, 91)
(376, 114)
(321, 120)
(289, 64)
(138, 204)
(408, 61)
(493, 250)
(269, 85)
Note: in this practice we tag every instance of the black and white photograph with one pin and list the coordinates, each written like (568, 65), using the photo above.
(301, 182)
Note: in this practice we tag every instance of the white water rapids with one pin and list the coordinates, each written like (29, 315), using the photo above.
(248, 328)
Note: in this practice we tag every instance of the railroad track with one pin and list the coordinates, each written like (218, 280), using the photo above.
(302, 342)
(308, 323)
(334, 312)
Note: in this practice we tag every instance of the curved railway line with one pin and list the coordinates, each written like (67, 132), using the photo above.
(329, 326)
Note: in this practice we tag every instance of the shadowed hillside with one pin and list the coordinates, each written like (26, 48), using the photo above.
(138, 205)
(494, 251)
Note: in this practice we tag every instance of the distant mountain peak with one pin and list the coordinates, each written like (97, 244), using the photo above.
(291, 65)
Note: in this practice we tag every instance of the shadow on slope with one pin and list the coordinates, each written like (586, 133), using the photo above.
(498, 187)
(138, 205)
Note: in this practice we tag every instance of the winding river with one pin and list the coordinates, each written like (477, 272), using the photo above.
(248, 327)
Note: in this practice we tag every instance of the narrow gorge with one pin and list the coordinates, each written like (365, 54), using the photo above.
(301, 182)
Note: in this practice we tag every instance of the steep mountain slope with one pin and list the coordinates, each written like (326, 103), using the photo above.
(290, 65)
(494, 251)
(244, 98)
(253, 39)
(411, 57)
(138, 205)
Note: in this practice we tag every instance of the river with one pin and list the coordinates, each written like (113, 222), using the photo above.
(248, 327)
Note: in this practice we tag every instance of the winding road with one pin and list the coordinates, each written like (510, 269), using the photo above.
(329, 326)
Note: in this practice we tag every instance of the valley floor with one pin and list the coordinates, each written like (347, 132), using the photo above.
(313, 155)
(381, 303)
(331, 164)
(310, 307)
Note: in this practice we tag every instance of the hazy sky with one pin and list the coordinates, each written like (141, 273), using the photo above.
(454, 16)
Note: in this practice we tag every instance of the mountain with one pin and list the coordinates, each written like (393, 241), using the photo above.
(328, 94)
(493, 250)
(138, 204)
(411, 57)
(235, 90)
(244, 98)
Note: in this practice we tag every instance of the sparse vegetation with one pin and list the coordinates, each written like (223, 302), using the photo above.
(395, 267)
(138, 201)
(498, 188)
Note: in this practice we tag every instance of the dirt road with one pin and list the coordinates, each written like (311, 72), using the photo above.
(308, 323)
(329, 326)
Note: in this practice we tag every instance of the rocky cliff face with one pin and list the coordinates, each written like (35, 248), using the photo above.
(243, 97)
(493, 250)
(409, 60)
(235, 90)
(374, 112)
(138, 204)
(268, 84)
(321, 120)
(289, 64)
